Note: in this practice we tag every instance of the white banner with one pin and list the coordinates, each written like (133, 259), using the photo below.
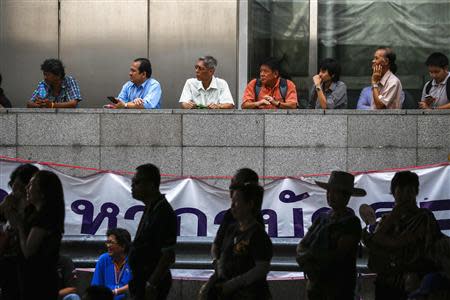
(102, 201)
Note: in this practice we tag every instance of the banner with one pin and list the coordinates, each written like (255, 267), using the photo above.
(98, 202)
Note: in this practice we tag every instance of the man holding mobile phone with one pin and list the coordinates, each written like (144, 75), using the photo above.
(434, 94)
(141, 91)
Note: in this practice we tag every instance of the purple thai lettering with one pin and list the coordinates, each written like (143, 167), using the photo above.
(201, 219)
(90, 225)
(382, 205)
(3, 194)
(438, 205)
(288, 196)
(271, 221)
(219, 217)
(297, 215)
(132, 211)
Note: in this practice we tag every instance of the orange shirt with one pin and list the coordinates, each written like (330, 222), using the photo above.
(291, 93)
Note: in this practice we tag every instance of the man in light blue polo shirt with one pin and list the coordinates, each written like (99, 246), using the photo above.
(141, 91)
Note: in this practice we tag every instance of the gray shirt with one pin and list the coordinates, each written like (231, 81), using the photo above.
(437, 91)
(336, 96)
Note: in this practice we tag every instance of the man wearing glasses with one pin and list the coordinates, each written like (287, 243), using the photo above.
(153, 249)
(206, 90)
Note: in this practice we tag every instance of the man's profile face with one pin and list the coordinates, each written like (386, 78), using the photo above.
(138, 186)
(135, 76)
(438, 73)
(267, 75)
(379, 58)
(202, 72)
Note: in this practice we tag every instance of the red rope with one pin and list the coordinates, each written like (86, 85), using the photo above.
(122, 172)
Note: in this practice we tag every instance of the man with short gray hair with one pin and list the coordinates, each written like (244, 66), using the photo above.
(206, 90)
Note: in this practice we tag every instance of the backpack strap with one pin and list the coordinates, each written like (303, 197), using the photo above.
(258, 85)
(447, 88)
(428, 87)
(283, 88)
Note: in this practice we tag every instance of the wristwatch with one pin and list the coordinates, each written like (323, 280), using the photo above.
(318, 88)
(126, 105)
(278, 104)
(375, 85)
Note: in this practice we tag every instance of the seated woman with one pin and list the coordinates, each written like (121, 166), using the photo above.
(40, 232)
(245, 253)
(400, 246)
(327, 253)
(112, 268)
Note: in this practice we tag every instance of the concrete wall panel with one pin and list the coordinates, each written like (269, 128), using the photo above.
(382, 131)
(223, 130)
(8, 129)
(305, 131)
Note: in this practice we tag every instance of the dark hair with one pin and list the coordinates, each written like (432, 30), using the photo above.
(123, 237)
(51, 188)
(389, 54)
(144, 66)
(243, 176)
(332, 66)
(98, 292)
(273, 63)
(403, 179)
(252, 193)
(437, 59)
(54, 66)
(24, 173)
(151, 173)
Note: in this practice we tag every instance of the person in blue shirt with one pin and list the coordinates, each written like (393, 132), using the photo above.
(141, 91)
(112, 270)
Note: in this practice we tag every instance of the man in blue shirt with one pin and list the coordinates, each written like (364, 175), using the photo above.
(112, 268)
(141, 91)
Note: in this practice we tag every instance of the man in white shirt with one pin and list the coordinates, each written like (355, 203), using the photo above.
(434, 94)
(206, 90)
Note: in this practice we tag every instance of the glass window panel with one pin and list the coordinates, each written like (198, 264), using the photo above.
(350, 30)
(280, 29)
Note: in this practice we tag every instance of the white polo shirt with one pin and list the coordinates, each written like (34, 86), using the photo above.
(218, 92)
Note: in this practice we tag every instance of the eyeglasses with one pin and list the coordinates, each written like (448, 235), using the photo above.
(109, 242)
(197, 67)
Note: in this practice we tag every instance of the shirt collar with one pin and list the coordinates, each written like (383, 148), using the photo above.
(385, 77)
(443, 82)
(212, 85)
(332, 86)
(144, 84)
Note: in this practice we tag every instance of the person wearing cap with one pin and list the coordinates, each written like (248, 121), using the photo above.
(400, 249)
(327, 253)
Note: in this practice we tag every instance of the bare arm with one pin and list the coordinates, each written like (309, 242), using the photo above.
(30, 244)
(188, 105)
(66, 291)
(253, 105)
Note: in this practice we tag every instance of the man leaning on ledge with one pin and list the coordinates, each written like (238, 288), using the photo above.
(56, 90)
(270, 91)
(206, 90)
(141, 91)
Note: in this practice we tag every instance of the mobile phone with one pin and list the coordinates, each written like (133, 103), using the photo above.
(428, 97)
(112, 99)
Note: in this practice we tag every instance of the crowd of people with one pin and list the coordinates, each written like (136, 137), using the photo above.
(407, 250)
(270, 91)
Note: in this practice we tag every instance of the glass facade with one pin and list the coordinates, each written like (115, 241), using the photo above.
(350, 31)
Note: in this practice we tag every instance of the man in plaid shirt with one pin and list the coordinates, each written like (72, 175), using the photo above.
(56, 90)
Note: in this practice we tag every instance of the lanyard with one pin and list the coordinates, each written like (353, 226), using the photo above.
(117, 278)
